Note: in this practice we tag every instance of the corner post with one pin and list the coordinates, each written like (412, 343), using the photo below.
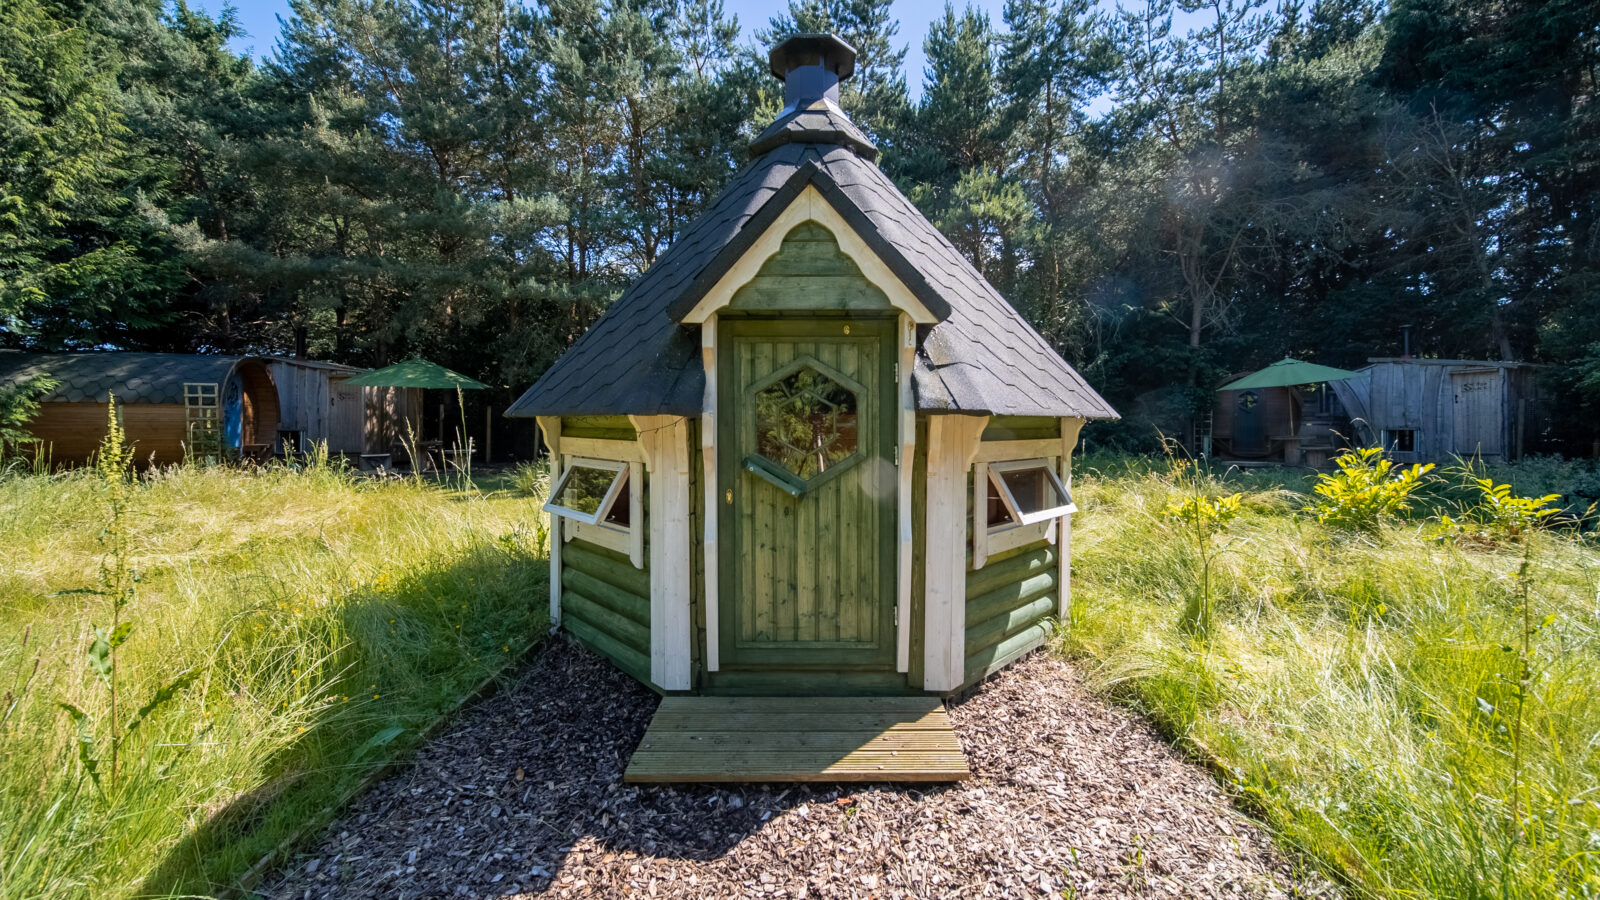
(708, 456)
(952, 447)
(665, 442)
(907, 456)
(551, 426)
(1069, 440)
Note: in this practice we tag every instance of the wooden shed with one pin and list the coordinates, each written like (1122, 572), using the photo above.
(811, 450)
(319, 407)
(1429, 410)
(171, 403)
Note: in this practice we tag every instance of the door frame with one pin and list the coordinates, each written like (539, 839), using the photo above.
(718, 428)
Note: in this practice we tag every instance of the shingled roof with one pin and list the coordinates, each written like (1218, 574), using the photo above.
(981, 357)
(133, 377)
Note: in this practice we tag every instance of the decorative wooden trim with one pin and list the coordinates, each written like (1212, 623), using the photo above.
(980, 513)
(665, 442)
(551, 426)
(599, 535)
(952, 444)
(906, 457)
(1000, 451)
(708, 457)
(603, 448)
(1020, 536)
(810, 206)
(636, 526)
(1069, 440)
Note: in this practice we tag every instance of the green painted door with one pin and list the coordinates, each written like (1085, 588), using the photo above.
(806, 473)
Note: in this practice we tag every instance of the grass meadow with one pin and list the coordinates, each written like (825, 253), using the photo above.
(1365, 693)
(304, 625)
(1415, 709)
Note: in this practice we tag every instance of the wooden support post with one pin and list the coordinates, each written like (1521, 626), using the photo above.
(708, 456)
(1069, 439)
(488, 432)
(907, 456)
(551, 426)
(952, 446)
(665, 441)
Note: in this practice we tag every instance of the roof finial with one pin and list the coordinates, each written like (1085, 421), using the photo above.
(811, 67)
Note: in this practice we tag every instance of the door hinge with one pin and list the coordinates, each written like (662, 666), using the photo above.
(897, 615)
(897, 455)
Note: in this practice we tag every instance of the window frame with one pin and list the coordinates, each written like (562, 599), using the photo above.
(1391, 440)
(1018, 518)
(597, 519)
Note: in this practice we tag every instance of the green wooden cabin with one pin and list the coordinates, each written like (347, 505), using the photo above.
(811, 450)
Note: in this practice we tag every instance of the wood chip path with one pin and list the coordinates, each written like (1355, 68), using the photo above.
(523, 796)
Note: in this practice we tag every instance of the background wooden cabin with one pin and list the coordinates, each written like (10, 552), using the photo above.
(150, 389)
(317, 406)
(1430, 410)
(1292, 425)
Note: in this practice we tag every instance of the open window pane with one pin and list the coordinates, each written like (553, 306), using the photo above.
(1030, 491)
(621, 513)
(998, 515)
(588, 492)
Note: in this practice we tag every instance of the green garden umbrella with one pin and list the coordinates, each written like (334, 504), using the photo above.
(1288, 372)
(422, 375)
(416, 373)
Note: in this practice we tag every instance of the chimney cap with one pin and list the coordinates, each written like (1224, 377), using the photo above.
(827, 50)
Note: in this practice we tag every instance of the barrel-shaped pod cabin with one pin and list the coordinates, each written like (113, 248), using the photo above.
(172, 406)
(1433, 410)
(811, 450)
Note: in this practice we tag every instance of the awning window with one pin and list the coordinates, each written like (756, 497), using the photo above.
(1028, 492)
(592, 491)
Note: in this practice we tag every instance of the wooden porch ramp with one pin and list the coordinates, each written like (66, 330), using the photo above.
(703, 739)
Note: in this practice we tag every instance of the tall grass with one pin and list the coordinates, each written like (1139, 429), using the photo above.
(1363, 691)
(326, 618)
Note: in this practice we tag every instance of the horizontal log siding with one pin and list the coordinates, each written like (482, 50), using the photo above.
(605, 602)
(609, 428)
(1021, 428)
(1009, 604)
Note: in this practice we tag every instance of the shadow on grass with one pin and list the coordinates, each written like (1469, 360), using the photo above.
(426, 643)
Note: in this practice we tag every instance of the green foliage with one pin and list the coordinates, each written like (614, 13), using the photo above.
(1367, 491)
(291, 629)
(119, 583)
(1498, 514)
(1417, 716)
(1201, 517)
(19, 404)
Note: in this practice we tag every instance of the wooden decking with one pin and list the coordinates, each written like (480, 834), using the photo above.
(703, 739)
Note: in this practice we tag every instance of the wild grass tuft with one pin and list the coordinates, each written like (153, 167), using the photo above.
(318, 620)
(1422, 715)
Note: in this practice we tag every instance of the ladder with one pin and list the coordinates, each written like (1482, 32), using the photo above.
(202, 416)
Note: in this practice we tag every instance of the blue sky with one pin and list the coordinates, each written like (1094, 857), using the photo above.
(260, 19)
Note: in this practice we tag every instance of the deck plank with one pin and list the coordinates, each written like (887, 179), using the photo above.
(745, 739)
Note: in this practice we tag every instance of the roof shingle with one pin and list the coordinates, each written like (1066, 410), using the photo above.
(982, 357)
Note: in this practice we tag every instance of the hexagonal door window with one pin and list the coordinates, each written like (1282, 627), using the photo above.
(806, 422)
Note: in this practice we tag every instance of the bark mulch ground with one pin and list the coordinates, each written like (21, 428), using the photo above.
(523, 796)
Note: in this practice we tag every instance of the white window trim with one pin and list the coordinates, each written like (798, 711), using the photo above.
(987, 539)
(996, 469)
(606, 502)
(608, 536)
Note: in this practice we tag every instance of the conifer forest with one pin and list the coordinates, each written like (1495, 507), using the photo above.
(1170, 191)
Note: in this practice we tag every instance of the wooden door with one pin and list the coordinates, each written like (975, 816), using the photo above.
(807, 485)
(1479, 426)
(1249, 435)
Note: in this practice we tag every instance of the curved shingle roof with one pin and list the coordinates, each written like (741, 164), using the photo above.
(982, 357)
(133, 377)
